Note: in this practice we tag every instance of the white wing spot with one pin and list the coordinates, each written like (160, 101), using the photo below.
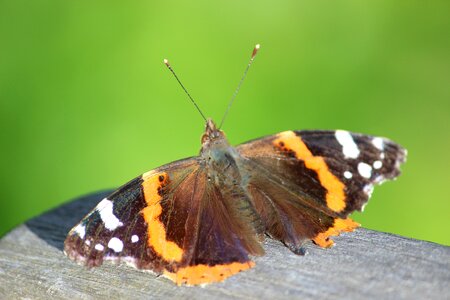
(349, 147)
(368, 189)
(115, 244)
(382, 155)
(364, 170)
(363, 206)
(134, 238)
(99, 247)
(348, 174)
(378, 143)
(105, 209)
(377, 164)
(87, 242)
(80, 230)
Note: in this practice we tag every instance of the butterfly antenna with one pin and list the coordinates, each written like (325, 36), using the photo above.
(166, 62)
(255, 51)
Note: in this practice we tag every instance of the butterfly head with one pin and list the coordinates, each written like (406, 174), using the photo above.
(216, 151)
(212, 133)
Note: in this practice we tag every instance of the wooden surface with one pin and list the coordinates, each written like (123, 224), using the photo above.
(364, 264)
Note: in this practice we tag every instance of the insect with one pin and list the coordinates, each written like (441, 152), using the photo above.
(201, 219)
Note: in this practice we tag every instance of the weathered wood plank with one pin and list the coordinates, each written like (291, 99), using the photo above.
(364, 264)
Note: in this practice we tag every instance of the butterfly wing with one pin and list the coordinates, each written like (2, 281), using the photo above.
(172, 221)
(304, 184)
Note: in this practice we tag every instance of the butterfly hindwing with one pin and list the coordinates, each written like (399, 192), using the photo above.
(305, 183)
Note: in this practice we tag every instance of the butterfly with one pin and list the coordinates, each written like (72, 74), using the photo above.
(202, 219)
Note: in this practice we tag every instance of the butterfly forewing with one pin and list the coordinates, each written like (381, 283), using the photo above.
(114, 230)
(359, 161)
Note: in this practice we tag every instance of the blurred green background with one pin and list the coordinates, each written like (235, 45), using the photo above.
(87, 104)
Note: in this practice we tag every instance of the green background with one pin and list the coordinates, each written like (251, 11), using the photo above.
(87, 104)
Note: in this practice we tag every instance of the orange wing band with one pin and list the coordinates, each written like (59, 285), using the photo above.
(335, 188)
(153, 183)
(340, 225)
(203, 274)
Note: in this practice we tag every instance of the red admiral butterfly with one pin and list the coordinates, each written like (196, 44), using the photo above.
(199, 220)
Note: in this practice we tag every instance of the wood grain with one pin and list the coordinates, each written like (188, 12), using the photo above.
(364, 264)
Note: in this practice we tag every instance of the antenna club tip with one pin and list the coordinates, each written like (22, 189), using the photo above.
(166, 62)
(255, 50)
